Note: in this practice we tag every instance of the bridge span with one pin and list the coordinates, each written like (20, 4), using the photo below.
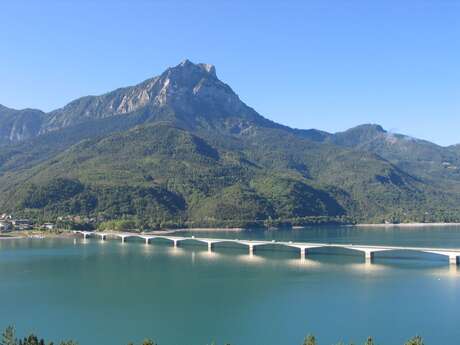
(368, 250)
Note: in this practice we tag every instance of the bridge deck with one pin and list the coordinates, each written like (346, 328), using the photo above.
(369, 250)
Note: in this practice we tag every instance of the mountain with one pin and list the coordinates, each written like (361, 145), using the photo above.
(183, 149)
(455, 148)
(19, 125)
(433, 163)
(189, 94)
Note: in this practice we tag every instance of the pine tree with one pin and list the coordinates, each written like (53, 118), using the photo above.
(149, 342)
(417, 340)
(369, 341)
(309, 340)
(8, 337)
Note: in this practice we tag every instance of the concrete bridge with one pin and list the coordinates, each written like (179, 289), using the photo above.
(368, 251)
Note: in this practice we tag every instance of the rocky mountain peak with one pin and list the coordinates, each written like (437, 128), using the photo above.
(187, 65)
(190, 87)
(368, 127)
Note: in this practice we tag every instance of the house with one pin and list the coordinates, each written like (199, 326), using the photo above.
(49, 226)
(22, 224)
(5, 216)
(5, 226)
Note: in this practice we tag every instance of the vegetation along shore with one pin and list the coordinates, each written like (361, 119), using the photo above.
(9, 338)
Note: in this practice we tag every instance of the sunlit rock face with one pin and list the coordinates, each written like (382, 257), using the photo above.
(188, 91)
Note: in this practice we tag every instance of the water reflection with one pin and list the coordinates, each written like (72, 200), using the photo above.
(367, 267)
(452, 271)
(147, 250)
(210, 255)
(304, 263)
(176, 251)
(253, 259)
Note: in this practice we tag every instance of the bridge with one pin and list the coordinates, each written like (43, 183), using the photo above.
(368, 250)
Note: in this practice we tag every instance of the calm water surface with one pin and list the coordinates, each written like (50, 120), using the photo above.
(108, 293)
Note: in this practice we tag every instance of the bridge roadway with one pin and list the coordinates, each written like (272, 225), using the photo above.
(368, 250)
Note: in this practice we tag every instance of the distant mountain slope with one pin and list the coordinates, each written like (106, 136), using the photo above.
(455, 148)
(166, 159)
(19, 125)
(182, 148)
(436, 164)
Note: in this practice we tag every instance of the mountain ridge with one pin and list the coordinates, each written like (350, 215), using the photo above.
(183, 148)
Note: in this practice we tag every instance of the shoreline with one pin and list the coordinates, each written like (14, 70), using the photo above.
(15, 235)
(68, 233)
(201, 230)
(383, 225)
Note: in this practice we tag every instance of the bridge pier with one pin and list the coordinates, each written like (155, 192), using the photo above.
(369, 256)
(101, 236)
(453, 259)
(146, 240)
(122, 239)
(303, 253)
(251, 249)
(210, 245)
(85, 235)
(175, 243)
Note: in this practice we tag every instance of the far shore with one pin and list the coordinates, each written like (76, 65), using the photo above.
(384, 225)
(202, 229)
(42, 234)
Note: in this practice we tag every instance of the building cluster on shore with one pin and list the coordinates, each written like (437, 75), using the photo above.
(8, 223)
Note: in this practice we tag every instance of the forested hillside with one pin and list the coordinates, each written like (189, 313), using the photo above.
(182, 149)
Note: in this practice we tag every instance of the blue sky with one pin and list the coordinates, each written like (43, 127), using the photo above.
(320, 64)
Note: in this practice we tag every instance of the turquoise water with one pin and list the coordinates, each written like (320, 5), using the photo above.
(109, 293)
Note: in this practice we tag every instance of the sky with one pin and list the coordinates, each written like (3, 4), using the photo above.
(329, 65)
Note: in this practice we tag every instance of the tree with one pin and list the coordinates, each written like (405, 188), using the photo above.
(309, 340)
(369, 341)
(31, 340)
(417, 340)
(149, 342)
(8, 337)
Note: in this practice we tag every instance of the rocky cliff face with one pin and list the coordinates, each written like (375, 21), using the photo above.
(189, 92)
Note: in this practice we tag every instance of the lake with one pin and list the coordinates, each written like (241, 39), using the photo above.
(108, 293)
